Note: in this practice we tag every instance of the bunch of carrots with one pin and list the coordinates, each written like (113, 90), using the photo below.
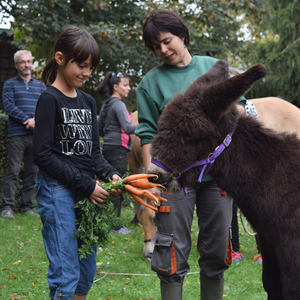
(137, 186)
(94, 222)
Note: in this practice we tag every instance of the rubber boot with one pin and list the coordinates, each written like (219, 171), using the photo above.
(211, 289)
(171, 291)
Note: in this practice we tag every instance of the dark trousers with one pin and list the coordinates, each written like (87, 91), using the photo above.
(235, 229)
(235, 241)
(19, 147)
(117, 157)
(214, 214)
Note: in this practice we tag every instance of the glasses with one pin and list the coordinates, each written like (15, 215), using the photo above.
(23, 62)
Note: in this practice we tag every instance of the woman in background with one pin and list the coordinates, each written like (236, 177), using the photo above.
(115, 127)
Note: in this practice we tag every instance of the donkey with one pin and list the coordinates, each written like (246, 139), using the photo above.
(257, 167)
(273, 112)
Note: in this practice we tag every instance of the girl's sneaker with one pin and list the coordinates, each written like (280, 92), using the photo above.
(123, 230)
(257, 258)
(237, 256)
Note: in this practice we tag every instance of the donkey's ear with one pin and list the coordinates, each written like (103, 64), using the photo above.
(219, 98)
(218, 72)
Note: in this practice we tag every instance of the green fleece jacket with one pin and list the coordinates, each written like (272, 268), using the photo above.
(159, 86)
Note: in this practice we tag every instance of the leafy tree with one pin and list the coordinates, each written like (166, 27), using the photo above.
(117, 27)
(276, 43)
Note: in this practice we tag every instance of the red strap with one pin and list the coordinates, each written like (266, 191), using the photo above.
(223, 193)
(165, 209)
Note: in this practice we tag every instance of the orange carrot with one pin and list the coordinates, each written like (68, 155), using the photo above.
(166, 192)
(137, 198)
(149, 195)
(134, 190)
(144, 184)
(140, 192)
(161, 198)
(138, 176)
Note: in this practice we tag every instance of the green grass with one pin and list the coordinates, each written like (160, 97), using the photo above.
(123, 273)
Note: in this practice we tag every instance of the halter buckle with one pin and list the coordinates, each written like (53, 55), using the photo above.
(230, 139)
(173, 175)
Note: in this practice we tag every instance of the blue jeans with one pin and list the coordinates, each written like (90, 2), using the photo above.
(67, 274)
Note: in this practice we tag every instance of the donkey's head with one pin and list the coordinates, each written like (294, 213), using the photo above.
(193, 124)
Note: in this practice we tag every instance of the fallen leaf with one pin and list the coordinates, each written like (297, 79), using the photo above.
(11, 276)
(5, 269)
(14, 297)
(17, 262)
(34, 285)
(127, 283)
(1, 287)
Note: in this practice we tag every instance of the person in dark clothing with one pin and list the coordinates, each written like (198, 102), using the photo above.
(115, 127)
(67, 152)
(20, 96)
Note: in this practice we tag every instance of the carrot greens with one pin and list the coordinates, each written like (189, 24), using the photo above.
(94, 222)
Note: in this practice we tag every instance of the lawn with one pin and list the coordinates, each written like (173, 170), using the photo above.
(123, 273)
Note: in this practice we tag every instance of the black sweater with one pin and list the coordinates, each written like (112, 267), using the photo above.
(66, 140)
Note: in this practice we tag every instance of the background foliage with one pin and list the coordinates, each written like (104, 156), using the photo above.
(217, 29)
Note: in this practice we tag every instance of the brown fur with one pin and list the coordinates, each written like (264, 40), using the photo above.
(260, 169)
(273, 112)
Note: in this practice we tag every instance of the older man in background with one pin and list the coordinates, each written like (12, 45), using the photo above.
(20, 96)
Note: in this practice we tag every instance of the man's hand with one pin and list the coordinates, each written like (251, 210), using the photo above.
(30, 123)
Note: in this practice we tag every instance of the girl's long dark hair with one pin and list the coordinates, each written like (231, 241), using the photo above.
(106, 88)
(76, 44)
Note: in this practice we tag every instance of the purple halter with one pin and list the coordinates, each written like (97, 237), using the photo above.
(206, 163)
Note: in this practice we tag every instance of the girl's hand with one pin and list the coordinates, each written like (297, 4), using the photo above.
(114, 192)
(99, 195)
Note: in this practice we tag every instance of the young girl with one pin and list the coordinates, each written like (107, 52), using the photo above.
(67, 152)
(115, 127)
